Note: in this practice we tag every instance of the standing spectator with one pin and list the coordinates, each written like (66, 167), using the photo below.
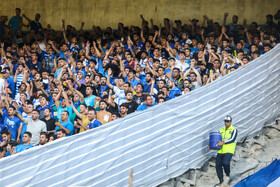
(34, 126)
(26, 143)
(64, 105)
(119, 91)
(82, 117)
(16, 21)
(13, 123)
(90, 99)
(43, 105)
(35, 25)
(195, 77)
(9, 82)
(27, 115)
(18, 77)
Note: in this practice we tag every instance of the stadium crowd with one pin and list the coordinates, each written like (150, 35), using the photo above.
(58, 83)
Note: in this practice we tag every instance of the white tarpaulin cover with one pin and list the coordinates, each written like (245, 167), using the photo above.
(159, 143)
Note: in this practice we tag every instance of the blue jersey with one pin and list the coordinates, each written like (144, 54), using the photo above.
(13, 125)
(22, 147)
(143, 107)
(174, 91)
(68, 125)
(11, 85)
(60, 110)
(2, 128)
(90, 100)
(94, 124)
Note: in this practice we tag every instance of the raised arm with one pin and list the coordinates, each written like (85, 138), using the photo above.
(87, 50)
(82, 98)
(64, 94)
(64, 34)
(29, 20)
(54, 48)
(225, 19)
(97, 51)
(76, 111)
(198, 76)
(110, 99)
(20, 117)
(108, 78)
(56, 99)
(74, 77)
(152, 87)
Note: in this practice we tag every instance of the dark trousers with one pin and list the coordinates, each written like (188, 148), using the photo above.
(223, 161)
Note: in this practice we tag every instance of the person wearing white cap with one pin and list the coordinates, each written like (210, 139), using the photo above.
(228, 143)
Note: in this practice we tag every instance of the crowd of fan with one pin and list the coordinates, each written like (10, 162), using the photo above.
(58, 83)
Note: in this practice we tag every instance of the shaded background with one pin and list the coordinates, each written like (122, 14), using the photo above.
(106, 13)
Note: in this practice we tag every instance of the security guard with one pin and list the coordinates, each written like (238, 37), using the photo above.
(228, 143)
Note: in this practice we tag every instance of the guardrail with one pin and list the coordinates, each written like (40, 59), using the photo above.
(159, 143)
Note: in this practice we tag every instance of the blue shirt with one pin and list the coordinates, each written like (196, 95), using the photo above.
(102, 89)
(2, 128)
(24, 127)
(68, 125)
(60, 110)
(22, 147)
(89, 101)
(143, 107)
(11, 85)
(133, 82)
(174, 91)
(14, 21)
(94, 124)
(13, 125)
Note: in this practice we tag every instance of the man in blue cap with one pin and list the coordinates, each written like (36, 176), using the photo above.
(228, 143)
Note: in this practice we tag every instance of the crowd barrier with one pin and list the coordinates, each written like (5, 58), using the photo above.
(159, 143)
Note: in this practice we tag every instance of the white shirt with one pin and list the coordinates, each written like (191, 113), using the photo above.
(120, 96)
(2, 81)
(181, 66)
(35, 128)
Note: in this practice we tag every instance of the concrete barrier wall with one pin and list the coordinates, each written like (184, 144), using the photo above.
(108, 13)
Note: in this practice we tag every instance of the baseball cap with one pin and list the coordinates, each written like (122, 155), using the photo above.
(5, 71)
(228, 118)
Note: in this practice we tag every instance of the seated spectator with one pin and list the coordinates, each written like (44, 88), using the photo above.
(26, 143)
(61, 133)
(124, 109)
(148, 102)
(43, 138)
(11, 145)
(173, 89)
(132, 105)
